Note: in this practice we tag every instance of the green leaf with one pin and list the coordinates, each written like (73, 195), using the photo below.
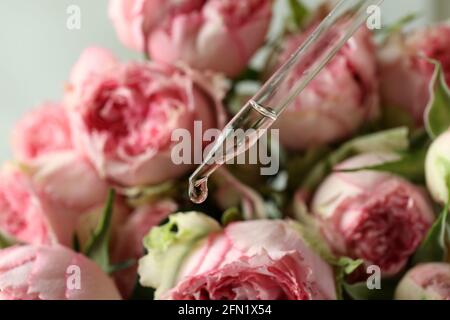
(349, 265)
(5, 241)
(436, 244)
(121, 266)
(393, 140)
(434, 247)
(437, 114)
(343, 267)
(299, 12)
(410, 166)
(98, 245)
(138, 196)
(231, 215)
(360, 291)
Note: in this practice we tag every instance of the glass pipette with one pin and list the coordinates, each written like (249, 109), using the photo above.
(269, 102)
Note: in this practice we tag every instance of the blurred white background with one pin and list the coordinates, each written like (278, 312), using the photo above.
(37, 50)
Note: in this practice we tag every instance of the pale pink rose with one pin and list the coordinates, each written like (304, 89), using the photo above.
(93, 60)
(128, 243)
(42, 131)
(430, 281)
(253, 260)
(218, 35)
(69, 180)
(49, 273)
(405, 72)
(336, 104)
(375, 216)
(42, 142)
(123, 117)
(29, 218)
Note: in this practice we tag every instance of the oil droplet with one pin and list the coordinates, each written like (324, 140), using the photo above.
(198, 190)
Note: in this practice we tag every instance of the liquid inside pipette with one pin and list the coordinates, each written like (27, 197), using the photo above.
(253, 120)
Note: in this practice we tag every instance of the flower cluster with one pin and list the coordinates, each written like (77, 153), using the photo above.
(94, 207)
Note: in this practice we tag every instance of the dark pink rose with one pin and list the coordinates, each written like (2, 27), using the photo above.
(374, 216)
(218, 35)
(123, 116)
(405, 72)
(49, 273)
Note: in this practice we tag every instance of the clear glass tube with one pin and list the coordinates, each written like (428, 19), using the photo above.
(269, 102)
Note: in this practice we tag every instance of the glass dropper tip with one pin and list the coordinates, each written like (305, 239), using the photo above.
(198, 190)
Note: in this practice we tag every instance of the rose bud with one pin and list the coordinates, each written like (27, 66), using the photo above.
(406, 73)
(338, 101)
(232, 193)
(123, 116)
(128, 243)
(29, 218)
(42, 142)
(371, 215)
(52, 273)
(437, 168)
(217, 35)
(42, 131)
(430, 281)
(191, 258)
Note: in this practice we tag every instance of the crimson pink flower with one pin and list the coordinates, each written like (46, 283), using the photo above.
(338, 101)
(253, 260)
(429, 281)
(218, 35)
(374, 216)
(42, 273)
(123, 115)
(405, 71)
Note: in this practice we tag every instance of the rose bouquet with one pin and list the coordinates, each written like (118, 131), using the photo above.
(95, 203)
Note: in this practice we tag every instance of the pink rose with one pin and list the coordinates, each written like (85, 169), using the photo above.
(42, 142)
(430, 281)
(128, 243)
(338, 101)
(50, 273)
(374, 216)
(406, 74)
(123, 116)
(218, 35)
(42, 131)
(27, 217)
(255, 260)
